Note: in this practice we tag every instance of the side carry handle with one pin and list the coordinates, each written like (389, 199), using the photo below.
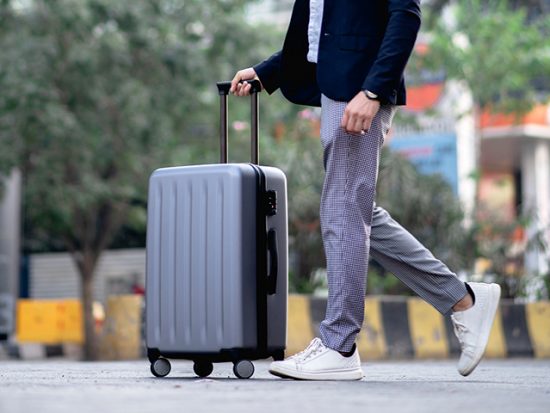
(273, 261)
(223, 91)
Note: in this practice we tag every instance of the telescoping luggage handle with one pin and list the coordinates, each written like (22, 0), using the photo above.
(223, 90)
(269, 201)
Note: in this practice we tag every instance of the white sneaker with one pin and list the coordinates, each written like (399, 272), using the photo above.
(472, 326)
(318, 362)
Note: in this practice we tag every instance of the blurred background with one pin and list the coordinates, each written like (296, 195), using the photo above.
(96, 94)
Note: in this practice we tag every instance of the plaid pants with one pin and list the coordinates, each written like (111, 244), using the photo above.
(352, 225)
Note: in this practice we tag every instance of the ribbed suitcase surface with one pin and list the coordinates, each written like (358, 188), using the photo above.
(201, 259)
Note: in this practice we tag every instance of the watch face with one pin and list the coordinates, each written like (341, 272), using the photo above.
(371, 95)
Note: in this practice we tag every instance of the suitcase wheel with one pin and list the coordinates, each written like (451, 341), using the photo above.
(203, 368)
(243, 369)
(160, 367)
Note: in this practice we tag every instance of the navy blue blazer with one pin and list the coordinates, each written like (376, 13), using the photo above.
(364, 45)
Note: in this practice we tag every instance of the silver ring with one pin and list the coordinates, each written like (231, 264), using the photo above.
(363, 131)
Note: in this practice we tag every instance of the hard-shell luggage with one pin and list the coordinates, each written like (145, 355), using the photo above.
(216, 286)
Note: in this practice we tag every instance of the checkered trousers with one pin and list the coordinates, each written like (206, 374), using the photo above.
(352, 225)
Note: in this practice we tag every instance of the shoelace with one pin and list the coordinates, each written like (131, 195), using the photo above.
(314, 348)
(460, 330)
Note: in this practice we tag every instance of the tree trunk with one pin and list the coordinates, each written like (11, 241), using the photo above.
(87, 297)
(86, 247)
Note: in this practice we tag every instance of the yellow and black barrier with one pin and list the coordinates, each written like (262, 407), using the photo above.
(121, 335)
(394, 327)
(49, 321)
(55, 325)
(400, 327)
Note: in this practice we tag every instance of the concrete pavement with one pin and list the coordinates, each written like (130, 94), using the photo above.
(61, 386)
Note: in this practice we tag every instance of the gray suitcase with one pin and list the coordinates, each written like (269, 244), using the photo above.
(216, 287)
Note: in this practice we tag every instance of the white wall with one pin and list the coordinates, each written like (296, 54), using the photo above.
(54, 275)
(535, 165)
(466, 147)
(10, 223)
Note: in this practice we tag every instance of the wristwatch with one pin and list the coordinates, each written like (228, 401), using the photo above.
(370, 95)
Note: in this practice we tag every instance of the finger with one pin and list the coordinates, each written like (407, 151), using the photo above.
(238, 83)
(240, 87)
(345, 119)
(235, 82)
(367, 123)
(247, 88)
(352, 121)
(348, 119)
(358, 126)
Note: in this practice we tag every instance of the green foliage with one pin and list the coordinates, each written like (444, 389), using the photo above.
(97, 94)
(546, 281)
(504, 245)
(497, 50)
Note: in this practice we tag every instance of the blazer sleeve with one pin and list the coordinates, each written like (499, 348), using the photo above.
(397, 45)
(269, 72)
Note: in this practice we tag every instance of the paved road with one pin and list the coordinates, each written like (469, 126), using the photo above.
(62, 386)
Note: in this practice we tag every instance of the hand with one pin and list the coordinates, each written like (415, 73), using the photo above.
(359, 113)
(243, 89)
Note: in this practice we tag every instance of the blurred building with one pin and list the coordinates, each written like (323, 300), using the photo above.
(501, 163)
(10, 204)
(54, 275)
(515, 153)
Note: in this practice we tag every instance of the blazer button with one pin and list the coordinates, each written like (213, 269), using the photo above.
(326, 34)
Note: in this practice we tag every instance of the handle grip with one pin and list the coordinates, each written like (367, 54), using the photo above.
(223, 87)
(223, 91)
(273, 261)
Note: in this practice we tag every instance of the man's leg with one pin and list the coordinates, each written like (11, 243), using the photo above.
(351, 169)
(393, 247)
(351, 165)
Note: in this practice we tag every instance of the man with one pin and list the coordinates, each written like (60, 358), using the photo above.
(349, 57)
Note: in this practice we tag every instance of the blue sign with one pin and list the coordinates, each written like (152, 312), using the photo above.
(431, 153)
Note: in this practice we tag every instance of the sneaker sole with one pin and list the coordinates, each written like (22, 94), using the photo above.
(355, 374)
(494, 297)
